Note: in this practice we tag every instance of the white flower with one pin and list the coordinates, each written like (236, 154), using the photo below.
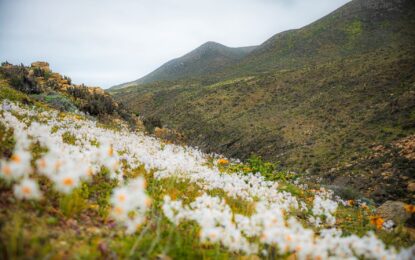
(27, 189)
(134, 224)
(211, 234)
(66, 181)
(388, 225)
(17, 167)
(130, 199)
(323, 206)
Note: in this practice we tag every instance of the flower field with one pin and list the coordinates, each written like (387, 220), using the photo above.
(74, 188)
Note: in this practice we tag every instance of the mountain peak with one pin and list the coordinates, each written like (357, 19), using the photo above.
(211, 44)
(210, 48)
(209, 57)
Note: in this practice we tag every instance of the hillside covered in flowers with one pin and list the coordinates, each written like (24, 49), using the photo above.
(74, 187)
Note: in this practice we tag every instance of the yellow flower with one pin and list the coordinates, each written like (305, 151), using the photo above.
(409, 208)
(377, 221)
(223, 161)
(94, 206)
(364, 206)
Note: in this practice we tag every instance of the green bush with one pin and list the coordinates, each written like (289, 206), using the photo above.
(57, 101)
(271, 171)
(151, 122)
(19, 79)
(93, 103)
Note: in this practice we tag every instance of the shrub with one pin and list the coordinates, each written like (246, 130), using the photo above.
(57, 101)
(68, 79)
(38, 72)
(151, 122)
(94, 103)
(20, 80)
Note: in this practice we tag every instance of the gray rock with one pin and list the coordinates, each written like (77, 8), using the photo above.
(393, 210)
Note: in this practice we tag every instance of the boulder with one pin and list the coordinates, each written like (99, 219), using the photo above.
(411, 187)
(41, 64)
(393, 210)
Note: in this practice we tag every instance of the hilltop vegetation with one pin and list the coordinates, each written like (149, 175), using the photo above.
(334, 99)
(44, 85)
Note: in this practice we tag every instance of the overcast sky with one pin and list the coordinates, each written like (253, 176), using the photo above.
(104, 43)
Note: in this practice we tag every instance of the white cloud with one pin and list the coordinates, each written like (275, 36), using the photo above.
(103, 42)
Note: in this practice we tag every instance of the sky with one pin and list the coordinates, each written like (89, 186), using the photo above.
(109, 42)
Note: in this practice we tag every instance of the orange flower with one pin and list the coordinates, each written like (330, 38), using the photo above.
(121, 197)
(16, 158)
(58, 165)
(90, 172)
(6, 170)
(409, 208)
(350, 202)
(42, 163)
(148, 202)
(118, 210)
(68, 181)
(111, 151)
(377, 221)
(223, 161)
(26, 190)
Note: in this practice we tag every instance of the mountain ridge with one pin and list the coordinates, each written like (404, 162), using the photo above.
(277, 51)
(209, 57)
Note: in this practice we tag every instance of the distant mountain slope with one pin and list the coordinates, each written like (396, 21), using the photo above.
(333, 99)
(209, 58)
(359, 27)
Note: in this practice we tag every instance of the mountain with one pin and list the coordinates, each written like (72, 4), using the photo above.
(359, 27)
(209, 58)
(334, 99)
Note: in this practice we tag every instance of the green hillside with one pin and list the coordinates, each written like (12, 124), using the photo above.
(357, 28)
(335, 99)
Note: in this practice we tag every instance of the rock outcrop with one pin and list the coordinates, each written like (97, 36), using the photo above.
(41, 64)
(395, 211)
